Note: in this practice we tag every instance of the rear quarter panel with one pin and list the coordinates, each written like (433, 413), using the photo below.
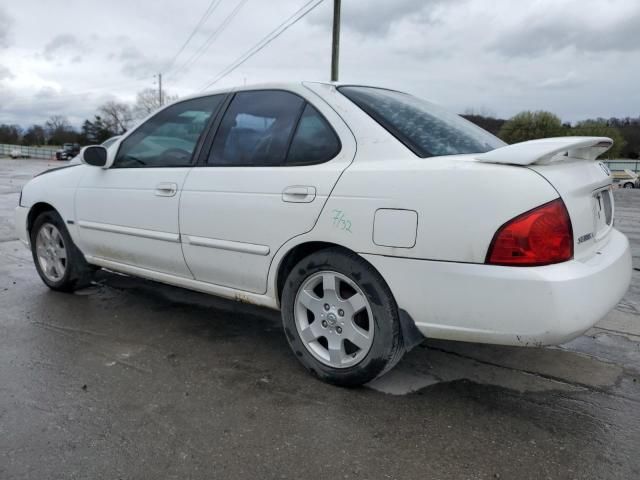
(460, 204)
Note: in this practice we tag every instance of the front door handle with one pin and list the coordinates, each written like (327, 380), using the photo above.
(299, 193)
(166, 189)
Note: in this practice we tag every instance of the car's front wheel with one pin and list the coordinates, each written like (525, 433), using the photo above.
(628, 185)
(59, 263)
(340, 318)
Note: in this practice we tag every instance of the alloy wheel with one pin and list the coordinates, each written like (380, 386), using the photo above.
(333, 319)
(51, 252)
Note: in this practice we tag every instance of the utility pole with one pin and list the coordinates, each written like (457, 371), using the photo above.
(335, 45)
(160, 89)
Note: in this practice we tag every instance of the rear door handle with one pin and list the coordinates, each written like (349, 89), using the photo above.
(299, 193)
(166, 189)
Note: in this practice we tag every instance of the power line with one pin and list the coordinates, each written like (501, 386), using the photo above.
(266, 40)
(205, 16)
(207, 43)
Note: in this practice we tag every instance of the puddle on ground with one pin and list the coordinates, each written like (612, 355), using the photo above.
(516, 368)
(609, 347)
(401, 382)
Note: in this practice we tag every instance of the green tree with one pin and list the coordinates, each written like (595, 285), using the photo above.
(531, 125)
(10, 133)
(95, 132)
(600, 128)
(60, 131)
(116, 116)
(35, 135)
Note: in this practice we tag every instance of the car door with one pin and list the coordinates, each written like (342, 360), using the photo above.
(128, 213)
(269, 170)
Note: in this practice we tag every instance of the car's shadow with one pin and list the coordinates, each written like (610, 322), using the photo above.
(432, 362)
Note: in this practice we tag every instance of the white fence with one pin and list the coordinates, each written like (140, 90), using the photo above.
(47, 153)
(623, 164)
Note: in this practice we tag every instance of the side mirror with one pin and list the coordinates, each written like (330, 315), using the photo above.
(94, 155)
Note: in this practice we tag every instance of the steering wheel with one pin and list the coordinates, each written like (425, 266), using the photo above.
(175, 155)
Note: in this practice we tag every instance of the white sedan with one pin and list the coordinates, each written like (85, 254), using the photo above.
(334, 204)
(17, 153)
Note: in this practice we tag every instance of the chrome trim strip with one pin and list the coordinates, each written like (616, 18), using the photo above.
(241, 247)
(135, 232)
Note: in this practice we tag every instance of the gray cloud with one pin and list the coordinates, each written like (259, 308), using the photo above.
(551, 33)
(46, 102)
(566, 81)
(61, 45)
(376, 17)
(6, 23)
(559, 55)
(5, 73)
(137, 64)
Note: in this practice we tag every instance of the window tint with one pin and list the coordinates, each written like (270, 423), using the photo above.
(314, 140)
(421, 126)
(256, 129)
(168, 138)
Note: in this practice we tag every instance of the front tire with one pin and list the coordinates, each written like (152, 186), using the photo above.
(59, 263)
(628, 185)
(340, 318)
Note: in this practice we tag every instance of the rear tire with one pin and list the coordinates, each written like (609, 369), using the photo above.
(59, 263)
(340, 318)
(629, 185)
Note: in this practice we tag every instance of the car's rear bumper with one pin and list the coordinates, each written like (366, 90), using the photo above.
(21, 214)
(509, 305)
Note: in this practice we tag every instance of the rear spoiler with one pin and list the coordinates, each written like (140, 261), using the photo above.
(548, 150)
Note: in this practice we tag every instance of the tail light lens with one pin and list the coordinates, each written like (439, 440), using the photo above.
(538, 237)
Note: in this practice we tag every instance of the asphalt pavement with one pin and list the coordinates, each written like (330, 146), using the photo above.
(131, 379)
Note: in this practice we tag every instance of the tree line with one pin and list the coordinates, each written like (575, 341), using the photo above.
(625, 132)
(111, 118)
(114, 118)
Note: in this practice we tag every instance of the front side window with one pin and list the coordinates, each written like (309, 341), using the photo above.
(314, 141)
(256, 129)
(423, 127)
(169, 138)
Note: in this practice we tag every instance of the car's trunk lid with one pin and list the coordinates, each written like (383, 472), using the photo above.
(584, 184)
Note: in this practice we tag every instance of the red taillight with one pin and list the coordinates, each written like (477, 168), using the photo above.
(538, 237)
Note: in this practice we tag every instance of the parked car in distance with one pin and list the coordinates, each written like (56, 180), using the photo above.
(333, 203)
(18, 153)
(626, 179)
(68, 151)
(106, 144)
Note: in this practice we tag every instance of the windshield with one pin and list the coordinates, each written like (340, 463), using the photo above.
(423, 127)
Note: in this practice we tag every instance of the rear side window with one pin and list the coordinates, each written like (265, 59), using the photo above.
(314, 140)
(256, 129)
(169, 138)
(423, 127)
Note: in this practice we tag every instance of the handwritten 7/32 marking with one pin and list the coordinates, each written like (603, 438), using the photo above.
(340, 222)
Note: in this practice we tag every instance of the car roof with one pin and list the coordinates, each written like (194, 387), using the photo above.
(258, 86)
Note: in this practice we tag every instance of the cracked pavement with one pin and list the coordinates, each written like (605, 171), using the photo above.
(132, 379)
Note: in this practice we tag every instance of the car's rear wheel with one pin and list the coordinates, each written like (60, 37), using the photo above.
(340, 318)
(628, 185)
(59, 263)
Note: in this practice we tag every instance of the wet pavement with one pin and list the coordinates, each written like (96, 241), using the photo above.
(130, 379)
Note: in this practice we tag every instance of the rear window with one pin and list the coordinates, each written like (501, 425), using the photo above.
(426, 129)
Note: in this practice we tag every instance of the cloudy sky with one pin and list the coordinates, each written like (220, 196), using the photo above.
(578, 58)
